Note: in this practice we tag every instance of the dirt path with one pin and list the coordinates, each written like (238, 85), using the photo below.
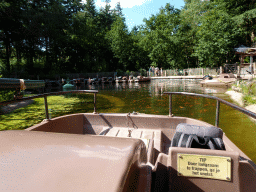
(11, 107)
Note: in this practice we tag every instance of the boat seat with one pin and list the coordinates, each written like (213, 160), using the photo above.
(152, 138)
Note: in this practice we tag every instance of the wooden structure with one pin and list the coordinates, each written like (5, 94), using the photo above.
(244, 51)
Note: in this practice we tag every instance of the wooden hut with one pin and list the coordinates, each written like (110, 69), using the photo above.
(244, 51)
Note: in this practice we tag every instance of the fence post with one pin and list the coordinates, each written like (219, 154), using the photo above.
(46, 107)
(94, 103)
(217, 113)
(170, 105)
(221, 69)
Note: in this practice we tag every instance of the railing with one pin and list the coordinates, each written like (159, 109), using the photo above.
(243, 110)
(45, 95)
(187, 72)
(230, 68)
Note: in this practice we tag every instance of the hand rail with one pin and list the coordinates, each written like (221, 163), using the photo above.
(243, 110)
(45, 95)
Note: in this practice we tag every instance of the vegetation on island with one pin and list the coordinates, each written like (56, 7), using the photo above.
(47, 37)
(248, 89)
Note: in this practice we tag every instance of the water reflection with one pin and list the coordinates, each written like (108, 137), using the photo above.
(159, 86)
(155, 87)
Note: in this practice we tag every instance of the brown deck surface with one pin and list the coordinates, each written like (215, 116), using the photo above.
(155, 135)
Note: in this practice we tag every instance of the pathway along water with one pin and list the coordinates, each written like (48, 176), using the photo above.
(148, 98)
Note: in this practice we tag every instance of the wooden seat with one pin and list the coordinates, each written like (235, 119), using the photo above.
(151, 138)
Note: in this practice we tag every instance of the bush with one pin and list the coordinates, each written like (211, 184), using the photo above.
(143, 72)
(248, 89)
(119, 72)
(6, 95)
(249, 100)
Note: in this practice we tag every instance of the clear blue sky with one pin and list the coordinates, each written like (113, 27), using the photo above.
(136, 10)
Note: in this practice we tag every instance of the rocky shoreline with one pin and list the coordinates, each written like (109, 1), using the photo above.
(238, 98)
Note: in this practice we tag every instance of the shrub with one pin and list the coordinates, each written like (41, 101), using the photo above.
(143, 72)
(119, 72)
(6, 95)
(248, 89)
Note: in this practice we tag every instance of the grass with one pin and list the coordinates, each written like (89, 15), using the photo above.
(248, 89)
(58, 105)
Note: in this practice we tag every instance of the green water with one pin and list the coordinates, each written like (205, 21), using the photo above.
(148, 98)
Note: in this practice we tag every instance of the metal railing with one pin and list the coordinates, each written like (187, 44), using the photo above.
(218, 101)
(45, 95)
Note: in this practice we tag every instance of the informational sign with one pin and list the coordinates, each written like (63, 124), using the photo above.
(213, 167)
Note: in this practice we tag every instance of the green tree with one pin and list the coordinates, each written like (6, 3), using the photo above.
(120, 42)
(159, 37)
(212, 31)
(217, 36)
(11, 30)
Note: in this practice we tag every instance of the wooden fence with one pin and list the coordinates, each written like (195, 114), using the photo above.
(169, 72)
(186, 72)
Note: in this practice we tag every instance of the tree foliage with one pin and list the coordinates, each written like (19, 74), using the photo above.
(44, 37)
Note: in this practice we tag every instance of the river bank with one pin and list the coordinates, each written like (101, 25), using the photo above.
(238, 98)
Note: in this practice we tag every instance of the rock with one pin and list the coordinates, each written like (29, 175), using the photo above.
(253, 109)
(237, 89)
(237, 97)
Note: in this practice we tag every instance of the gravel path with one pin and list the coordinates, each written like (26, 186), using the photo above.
(11, 107)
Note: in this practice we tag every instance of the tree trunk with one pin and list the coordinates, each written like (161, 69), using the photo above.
(8, 66)
(18, 57)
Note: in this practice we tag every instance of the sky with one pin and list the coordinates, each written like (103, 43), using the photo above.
(136, 10)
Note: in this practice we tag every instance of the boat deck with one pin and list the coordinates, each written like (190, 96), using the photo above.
(123, 152)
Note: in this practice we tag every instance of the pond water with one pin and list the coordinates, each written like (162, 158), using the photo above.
(149, 98)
